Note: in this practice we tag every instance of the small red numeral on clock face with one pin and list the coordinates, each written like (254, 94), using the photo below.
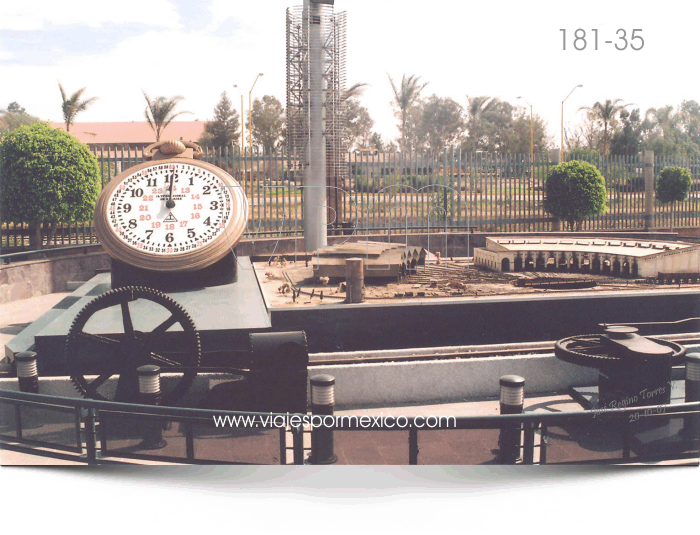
(183, 224)
(195, 215)
(155, 224)
(195, 196)
(196, 207)
(143, 208)
(146, 217)
(170, 226)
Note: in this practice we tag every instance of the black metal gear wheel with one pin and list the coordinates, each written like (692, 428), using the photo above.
(93, 358)
(589, 350)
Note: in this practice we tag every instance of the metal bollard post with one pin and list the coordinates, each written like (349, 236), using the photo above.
(691, 423)
(27, 374)
(512, 400)
(354, 280)
(28, 380)
(322, 404)
(149, 394)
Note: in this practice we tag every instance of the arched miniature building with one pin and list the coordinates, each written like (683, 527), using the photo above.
(603, 256)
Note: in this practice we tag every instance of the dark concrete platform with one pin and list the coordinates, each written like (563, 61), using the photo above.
(224, 316)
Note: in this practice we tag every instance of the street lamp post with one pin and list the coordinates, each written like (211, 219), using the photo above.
(561, 149)
(532, 130)
(242, 130)
(250, 116)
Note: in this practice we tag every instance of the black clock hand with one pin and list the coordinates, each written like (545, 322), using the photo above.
(170, 203)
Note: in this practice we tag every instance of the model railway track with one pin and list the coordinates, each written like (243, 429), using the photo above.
(423, 354)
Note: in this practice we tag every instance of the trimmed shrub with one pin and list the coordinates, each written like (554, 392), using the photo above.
(673, 184)
(574, 191)
(48, 176)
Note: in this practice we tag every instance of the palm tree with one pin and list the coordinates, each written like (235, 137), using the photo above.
(354, 91)
(160, 112)
(405, 98)
(477, 107)
(72, 105)
(606, 112)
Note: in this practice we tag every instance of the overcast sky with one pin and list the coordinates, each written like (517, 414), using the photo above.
(198, 49)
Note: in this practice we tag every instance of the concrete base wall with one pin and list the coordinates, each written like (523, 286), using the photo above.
(22, 280)
(389, 384)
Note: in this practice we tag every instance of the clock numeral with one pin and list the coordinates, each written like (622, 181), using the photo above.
(207, 221)
(143, 208)
(185, 190)
(214, 205)
(183, 224)
(152, 182)
(170, 226)
(207, 190)
(196, 207)
(195, 215)
(195, 196)
(127, 208)
(190, 233)
(191, 181)
(169, 237)
(132, 223)
(149, 233)
(169, 179)
(138, 192)
(155, 224)
(146, 217)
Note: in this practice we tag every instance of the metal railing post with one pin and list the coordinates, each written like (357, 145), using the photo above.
(512, 401)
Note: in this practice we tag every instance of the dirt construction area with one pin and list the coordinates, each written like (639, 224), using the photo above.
(289, 283)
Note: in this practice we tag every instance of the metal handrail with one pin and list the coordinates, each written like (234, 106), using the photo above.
(88, 413)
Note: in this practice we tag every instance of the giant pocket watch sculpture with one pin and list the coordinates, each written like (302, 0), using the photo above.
(173, 213)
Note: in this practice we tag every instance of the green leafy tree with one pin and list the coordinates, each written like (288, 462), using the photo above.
(518, 135)
(223, 131)
(627, 140)
(14, 117)
(406, 96)
(48, 177)
(359, 123)
(72, 105)
(376, 142)
(160, 112)
(606, 113)
(478, 106)
(268, 122)
(574, 191)
(672, 186)
(441, 122)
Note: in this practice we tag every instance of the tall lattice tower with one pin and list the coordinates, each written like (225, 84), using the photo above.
(316, 135)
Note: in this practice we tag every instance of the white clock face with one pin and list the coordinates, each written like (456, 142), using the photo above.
(169, 209)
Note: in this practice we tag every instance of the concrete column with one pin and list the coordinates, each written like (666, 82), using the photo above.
(354, 280)
(315, 218)
(648, 158)
(555, 157)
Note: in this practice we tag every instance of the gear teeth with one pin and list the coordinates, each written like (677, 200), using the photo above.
(114, 297)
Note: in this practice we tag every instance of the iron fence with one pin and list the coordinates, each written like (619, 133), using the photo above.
(93, 431)
(393, 192)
